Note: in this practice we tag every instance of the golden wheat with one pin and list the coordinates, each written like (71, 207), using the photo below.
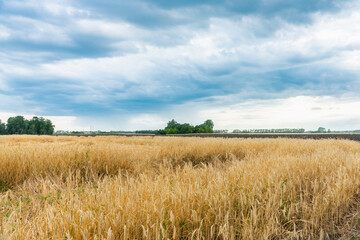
(175, 188)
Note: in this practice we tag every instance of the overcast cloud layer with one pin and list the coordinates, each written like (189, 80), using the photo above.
(117, 65)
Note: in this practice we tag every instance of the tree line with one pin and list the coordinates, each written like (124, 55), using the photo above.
(20, 125)
(279, 130)
(174, 127)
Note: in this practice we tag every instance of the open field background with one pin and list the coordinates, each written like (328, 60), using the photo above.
(177, 188)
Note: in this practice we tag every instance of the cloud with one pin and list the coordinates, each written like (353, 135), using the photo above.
(35, 31)
(138, 59)
(155, 13)
(336, 113)
(294, 112)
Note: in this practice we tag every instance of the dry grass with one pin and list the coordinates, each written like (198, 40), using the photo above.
(176, 188)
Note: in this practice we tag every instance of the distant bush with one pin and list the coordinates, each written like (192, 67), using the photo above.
(221, 131)
(278, 130)
(146, 131)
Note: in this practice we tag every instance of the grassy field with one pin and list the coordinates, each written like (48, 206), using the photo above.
(177, 188)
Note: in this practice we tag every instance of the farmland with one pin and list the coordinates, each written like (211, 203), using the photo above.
(111, 187)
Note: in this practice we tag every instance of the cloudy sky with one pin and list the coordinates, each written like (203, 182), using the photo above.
(126, 65)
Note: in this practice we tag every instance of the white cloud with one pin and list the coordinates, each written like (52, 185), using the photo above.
(37, 31)
(294, 112)
(146, 122)
(4, 32)
(107, 29)
(349, 60)
(58, 8)
(66, 123)
(62, 8)
(226, 41)
(337, 113)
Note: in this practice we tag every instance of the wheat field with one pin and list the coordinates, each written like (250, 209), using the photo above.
(176, 188)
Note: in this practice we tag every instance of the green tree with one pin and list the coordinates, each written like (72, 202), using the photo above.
(209, 124)
(200, 129)
(2, 128)
(49, 126)
(186, 128)
(206, 127)
(33, 126)
(161, 132)
(40, 126)
(172, 125)
(321, 130)
(172, 131)
(17, 125)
